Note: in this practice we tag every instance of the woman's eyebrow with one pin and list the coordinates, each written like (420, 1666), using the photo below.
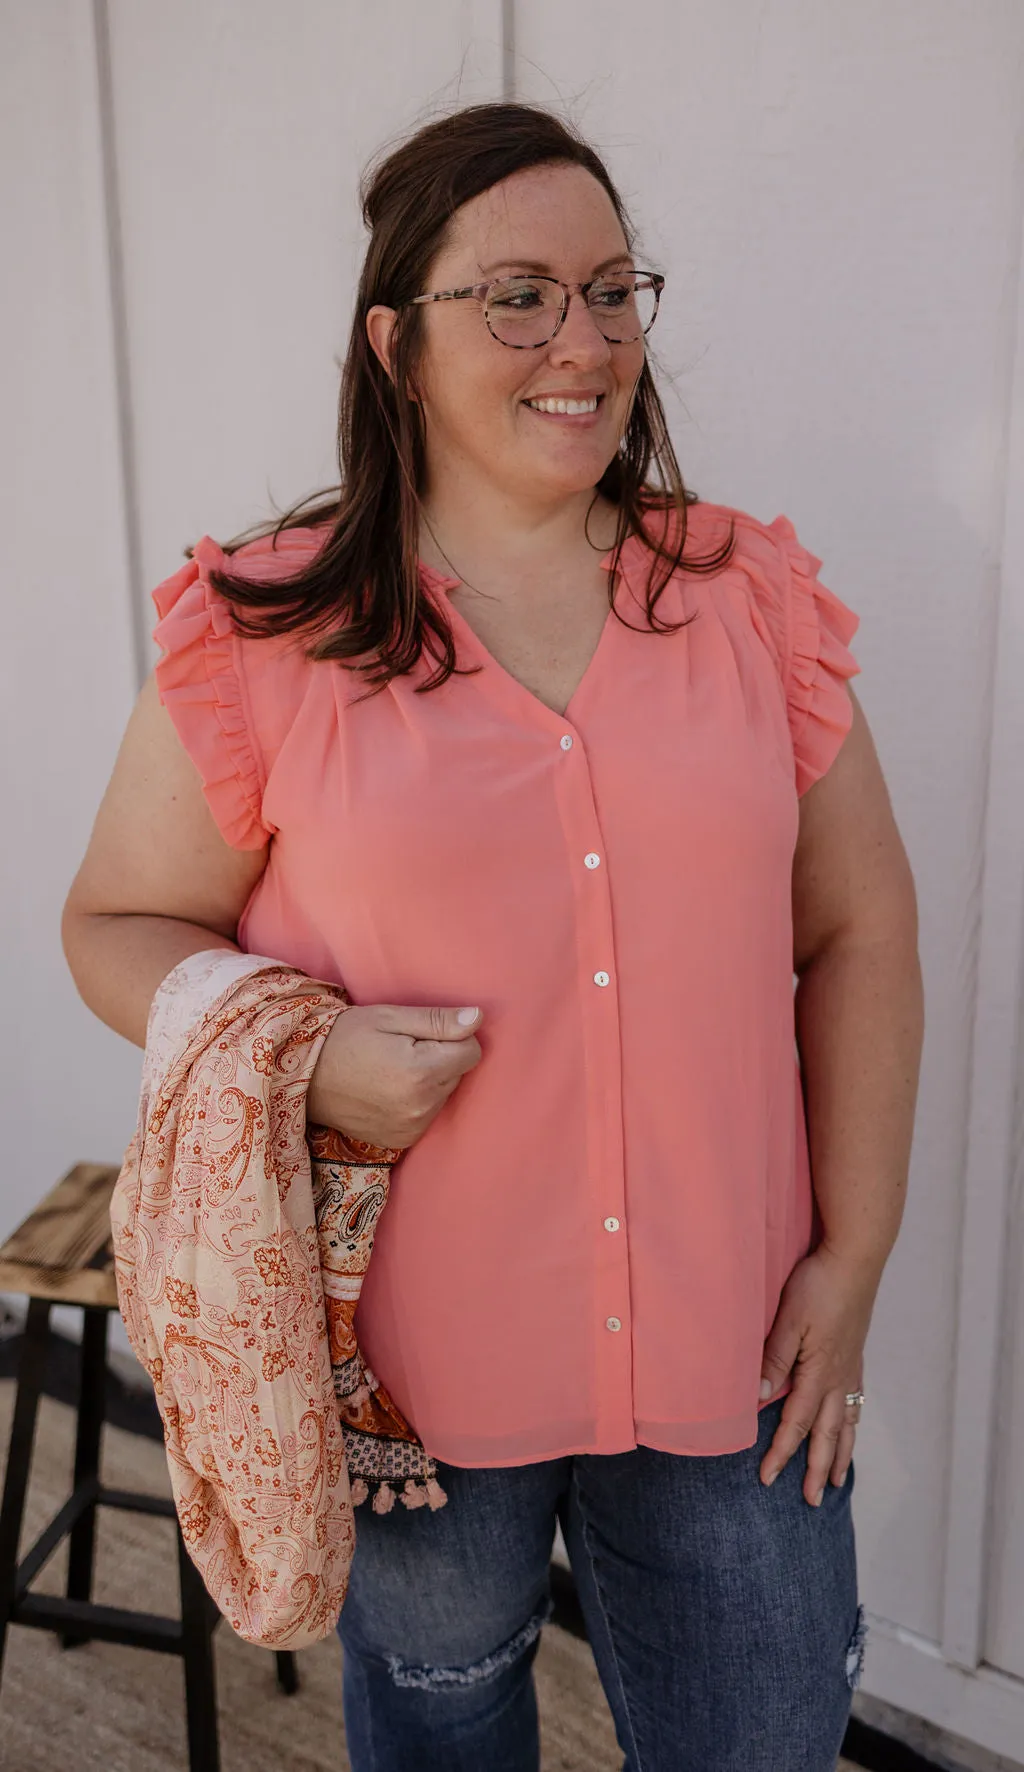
(541, 270)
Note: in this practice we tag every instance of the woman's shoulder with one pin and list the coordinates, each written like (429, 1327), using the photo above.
(806, 627)
(709, 525)
(766, 557)
(276, 554)
(233, 697)
(263, 559)
(708, 521)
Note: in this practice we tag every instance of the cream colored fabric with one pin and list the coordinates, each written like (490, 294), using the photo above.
(241, 1236)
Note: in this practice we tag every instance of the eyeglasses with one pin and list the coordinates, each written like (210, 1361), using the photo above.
(527, 312)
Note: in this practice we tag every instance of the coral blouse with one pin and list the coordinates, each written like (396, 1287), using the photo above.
(585, 1250)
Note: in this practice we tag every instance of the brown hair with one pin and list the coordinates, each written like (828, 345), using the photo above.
(361, 593)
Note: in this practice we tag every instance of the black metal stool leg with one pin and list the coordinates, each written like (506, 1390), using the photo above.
(287, 1672)
(91, 1407)
(199, 1616)
(31, 1373)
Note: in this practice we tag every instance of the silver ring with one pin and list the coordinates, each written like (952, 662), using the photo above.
(854, 1399)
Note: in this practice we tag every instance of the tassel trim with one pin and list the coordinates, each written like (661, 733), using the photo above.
(384, 1468)
(417, 1492)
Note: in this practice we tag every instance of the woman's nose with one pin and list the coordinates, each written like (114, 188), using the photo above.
(579, 337)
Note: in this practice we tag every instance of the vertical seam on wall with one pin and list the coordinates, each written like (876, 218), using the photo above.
(980, 1339)
(508, 49)
(118, 319)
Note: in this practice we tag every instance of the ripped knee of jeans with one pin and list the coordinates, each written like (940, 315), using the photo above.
(439, 1679)
(855, 1650)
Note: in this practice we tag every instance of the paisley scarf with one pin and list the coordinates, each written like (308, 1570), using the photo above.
(241, 1237)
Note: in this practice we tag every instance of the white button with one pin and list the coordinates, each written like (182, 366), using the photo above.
(600, 978)
(566, 741)
(612, 1323)
(611, 1224)
(592, 861)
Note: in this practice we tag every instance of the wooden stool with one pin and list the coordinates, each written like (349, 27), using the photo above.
(62, 1254)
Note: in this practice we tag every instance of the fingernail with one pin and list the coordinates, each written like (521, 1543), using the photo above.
(465, 1016)
(769, 1480)
(766, 1388)
(817, 1498)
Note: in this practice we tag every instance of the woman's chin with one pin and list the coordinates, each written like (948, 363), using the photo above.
(562, 477)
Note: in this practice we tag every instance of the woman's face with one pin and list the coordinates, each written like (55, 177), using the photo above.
(476, 392)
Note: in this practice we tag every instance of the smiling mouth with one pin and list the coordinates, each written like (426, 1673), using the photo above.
(566, 408)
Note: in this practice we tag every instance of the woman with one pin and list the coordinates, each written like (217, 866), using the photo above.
(633, 796)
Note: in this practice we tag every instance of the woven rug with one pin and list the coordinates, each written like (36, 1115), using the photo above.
(104, 1708)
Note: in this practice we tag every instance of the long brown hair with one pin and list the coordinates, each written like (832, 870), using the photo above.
(360, 595)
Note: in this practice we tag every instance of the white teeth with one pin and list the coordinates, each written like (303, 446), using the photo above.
(566, 406)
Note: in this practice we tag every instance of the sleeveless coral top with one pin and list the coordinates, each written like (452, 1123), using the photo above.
(585, 1250)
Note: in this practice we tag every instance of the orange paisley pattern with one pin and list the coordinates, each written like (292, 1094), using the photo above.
(241, 1236)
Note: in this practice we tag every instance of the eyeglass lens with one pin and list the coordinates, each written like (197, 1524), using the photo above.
(526, 310)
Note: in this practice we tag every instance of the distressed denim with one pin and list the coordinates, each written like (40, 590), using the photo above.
(723, 1615)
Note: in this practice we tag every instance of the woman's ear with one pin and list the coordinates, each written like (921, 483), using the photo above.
(379, 324)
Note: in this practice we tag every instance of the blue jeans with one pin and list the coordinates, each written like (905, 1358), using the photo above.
(723, 1615)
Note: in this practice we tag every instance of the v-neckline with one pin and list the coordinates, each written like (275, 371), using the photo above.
(509, 687)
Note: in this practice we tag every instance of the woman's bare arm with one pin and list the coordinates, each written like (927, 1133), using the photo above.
(158, 881)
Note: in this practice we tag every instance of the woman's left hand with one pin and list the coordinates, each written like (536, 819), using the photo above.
(818, 1336)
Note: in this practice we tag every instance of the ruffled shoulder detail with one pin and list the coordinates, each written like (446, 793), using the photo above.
(808, 630)
(819, 659)
(202, 686)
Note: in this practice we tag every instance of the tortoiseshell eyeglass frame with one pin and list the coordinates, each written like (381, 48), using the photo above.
(481, 291)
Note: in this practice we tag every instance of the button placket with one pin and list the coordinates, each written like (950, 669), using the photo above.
(602, 1056)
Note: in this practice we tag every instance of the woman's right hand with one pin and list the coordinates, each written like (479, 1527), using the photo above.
(386, 1070)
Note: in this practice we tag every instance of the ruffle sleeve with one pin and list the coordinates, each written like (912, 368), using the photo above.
(202, 686)
(816, 658)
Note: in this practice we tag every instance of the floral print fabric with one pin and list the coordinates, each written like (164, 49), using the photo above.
(241, 1236)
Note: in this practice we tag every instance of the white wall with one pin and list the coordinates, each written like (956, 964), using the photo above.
(835, 193)
(68, 671)
(241, 132)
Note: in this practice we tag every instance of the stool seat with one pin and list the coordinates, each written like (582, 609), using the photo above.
(62, 1254)
(63, 1249)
